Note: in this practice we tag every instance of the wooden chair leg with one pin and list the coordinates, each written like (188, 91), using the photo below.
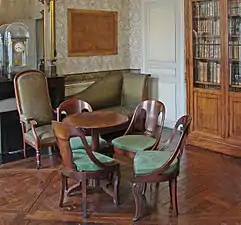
(38, 158)
(50, 150)
(174, 196)
(84, 196)
(144, 189)
(137, 189)
(63, 188)
(66, 184)
(116, 182)
(170, 193)
(24, 149)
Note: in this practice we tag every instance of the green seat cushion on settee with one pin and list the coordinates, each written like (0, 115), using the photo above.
(148, 161)
(76, 143)
(134, 143)
(104, 93)
(84, 163)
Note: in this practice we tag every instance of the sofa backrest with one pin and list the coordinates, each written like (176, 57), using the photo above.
(104, 93)
(135, 88)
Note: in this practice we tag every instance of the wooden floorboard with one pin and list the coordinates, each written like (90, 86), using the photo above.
(209, 193)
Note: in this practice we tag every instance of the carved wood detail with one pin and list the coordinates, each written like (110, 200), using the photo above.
(92, 32)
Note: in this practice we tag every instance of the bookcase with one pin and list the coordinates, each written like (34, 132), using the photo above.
(213, 74)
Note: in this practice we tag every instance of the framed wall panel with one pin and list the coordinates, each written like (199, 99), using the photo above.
(92, 32)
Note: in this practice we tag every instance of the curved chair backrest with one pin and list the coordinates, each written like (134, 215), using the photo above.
(32, 96)
(63, 133)
(72, 106)
(154, 110)
(182, 125)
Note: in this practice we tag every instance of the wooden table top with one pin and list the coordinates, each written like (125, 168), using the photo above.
(96, 119)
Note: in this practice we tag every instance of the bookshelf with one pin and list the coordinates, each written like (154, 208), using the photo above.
(206, 44)
(213, 72)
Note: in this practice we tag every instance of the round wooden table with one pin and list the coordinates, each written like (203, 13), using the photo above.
(96, 121)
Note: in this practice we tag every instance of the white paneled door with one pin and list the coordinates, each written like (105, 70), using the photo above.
(163, 53)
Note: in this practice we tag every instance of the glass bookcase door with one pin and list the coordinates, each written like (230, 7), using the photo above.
(234, 40)
(206, 44)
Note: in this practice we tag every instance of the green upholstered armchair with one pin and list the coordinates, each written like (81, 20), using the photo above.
(35, 110)
(120, 92)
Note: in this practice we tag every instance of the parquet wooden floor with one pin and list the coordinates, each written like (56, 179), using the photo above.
(209, 190)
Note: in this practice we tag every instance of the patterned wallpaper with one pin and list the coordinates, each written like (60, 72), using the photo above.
(16, 10)
(135, 38)
(129, 38)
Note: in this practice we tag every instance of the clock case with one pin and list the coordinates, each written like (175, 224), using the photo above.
(12, 58)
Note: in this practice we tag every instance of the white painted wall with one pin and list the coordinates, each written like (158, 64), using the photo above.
(163, 54)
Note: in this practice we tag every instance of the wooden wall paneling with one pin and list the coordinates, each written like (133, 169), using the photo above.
(234, 113)
(207, 113)
(92, 32)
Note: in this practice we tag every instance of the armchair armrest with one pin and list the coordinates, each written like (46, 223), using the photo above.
(27, 120)
(32, 122)
(55, 111)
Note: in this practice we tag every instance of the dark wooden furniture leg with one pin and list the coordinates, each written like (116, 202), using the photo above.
(38, 157)
(95, 139)
(84, 195)
(63, 188)
(136, 188)
(170, 192)
(116, 181)
(173, 192)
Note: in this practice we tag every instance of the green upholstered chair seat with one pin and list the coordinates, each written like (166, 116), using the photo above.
(45, 134)
(76, 143)
(134, 143)
(83, 162)
(149, 161)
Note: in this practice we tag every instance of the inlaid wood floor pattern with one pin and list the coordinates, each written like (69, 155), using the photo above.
(209, 193)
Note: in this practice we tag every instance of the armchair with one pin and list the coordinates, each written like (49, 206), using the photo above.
(35, 111)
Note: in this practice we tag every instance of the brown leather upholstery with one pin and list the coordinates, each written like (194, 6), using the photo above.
(35, 111)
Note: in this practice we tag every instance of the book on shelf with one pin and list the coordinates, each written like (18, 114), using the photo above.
(235, 74)
(234, 8)
(234, 25)
(207, 27)
(234, 49)
(207, 8)
(208, 48)
(208, 72)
